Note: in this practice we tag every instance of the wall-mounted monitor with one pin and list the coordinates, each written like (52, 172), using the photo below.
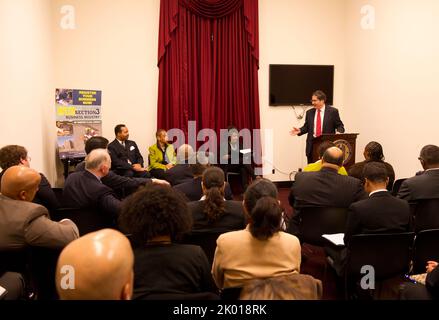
(293, 85)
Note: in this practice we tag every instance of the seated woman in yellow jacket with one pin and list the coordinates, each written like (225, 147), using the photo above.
(161, 155)
(316, 166)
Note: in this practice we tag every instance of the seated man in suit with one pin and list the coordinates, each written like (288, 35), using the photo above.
(121, 185)
(103, 267)
(324, 188)
(429, 291)
(85, 190)
(161, 155)
(182, 171)
(14, 155)
(379, 213)
(317, 166)
(125, 155)
(426, 185)
(23, 223)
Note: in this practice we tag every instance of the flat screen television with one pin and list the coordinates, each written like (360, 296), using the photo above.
(293, 85)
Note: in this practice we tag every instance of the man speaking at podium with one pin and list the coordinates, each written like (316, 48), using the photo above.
(321, 119)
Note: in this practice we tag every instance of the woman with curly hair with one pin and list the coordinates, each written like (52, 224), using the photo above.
(155, 217)
(213, 213)
(261, 250)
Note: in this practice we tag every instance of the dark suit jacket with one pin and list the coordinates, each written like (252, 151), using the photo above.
(432, 282)
(122, 186)
(45, 195)
(356, 171)
(179, 174)
(422, 187)
(232, 219)
(325, 188)
(120, 155)
(380, 213)
(331, 122)
(84, 191)
(193, 191)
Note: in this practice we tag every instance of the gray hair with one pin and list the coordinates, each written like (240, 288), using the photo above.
(96, 158)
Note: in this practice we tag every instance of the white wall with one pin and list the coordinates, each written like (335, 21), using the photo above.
(391, 82)
(26, 78)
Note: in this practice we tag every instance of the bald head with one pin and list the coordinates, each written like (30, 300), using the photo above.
(185, 152)
(102, 265)
(20, 183)
(333, 157)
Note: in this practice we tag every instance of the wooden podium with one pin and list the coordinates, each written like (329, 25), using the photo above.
(344, 141)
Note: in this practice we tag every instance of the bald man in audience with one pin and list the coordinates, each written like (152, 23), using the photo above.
(182, 171)
(85, 190)
(23, 223)
(324, 188)
(97, 266)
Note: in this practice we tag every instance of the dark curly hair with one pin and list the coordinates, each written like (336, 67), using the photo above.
(153, 211)
(11, 156)
(213, 181)
(375, 151)
(260, 201)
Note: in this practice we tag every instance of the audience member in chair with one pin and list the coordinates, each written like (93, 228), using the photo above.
(101, 266)
(125, 155)
(426, 185)
(291, 287)
(379, 213)
(324, 188)
(233, 160)
(23, 223)
(14, 155)
(85, 190)
(193, 190)
(373, 152)
(182, 172)
(317, 166)
(262, 250)
(429, 291)
(161, 155)
(155, 217)
(121, 185)
(213, 213)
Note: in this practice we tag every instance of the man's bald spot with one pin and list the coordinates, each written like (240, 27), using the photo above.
(333, 156)
(102, 262)
(96, 158)
(335, 152)
(17, 179)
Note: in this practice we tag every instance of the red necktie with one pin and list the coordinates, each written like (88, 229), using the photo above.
(318, 124)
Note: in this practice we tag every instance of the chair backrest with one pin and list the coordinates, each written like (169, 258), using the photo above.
(388, 254)
(206, 240)
(426, 248)
(426, 215)
(317, 221)
(396, 185)
(87, 220)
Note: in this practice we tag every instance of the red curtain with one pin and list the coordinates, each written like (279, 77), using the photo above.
(208, 61)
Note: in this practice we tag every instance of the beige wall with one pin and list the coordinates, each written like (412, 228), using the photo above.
(26, 79)
(392, 79)
(385, 78)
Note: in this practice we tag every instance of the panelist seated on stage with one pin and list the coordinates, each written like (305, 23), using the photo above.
(161, 155)
(317, 166)
(126, 159)
(319, 120)
(233, 158)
